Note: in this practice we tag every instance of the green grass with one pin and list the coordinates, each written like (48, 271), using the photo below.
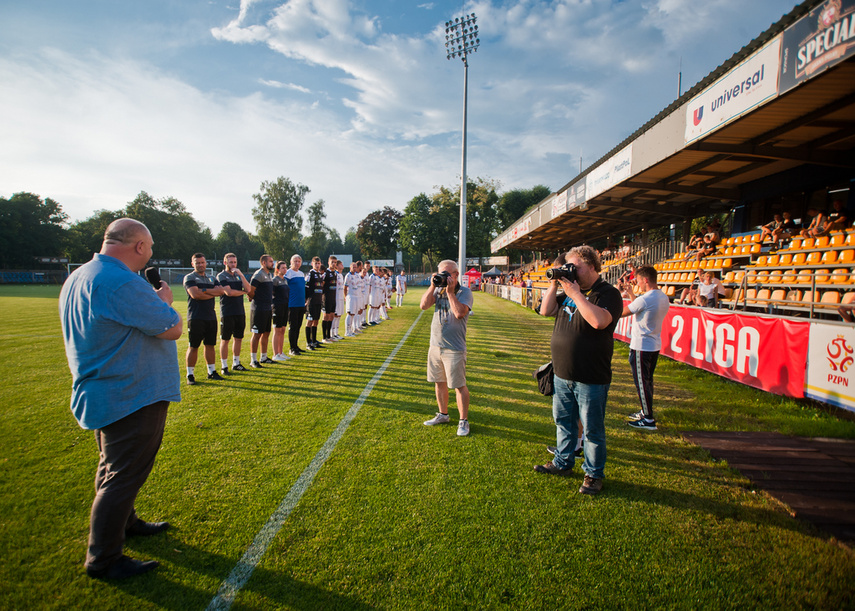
(404, 516)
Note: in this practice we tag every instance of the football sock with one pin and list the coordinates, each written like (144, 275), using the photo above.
(191, 371)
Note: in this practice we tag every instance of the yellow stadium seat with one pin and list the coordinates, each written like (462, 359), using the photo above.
(840, 276)
(830, 298)
(829, 257)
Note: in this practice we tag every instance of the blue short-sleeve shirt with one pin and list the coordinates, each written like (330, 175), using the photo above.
(110, 317)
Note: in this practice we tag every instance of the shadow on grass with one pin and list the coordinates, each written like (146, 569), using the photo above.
(179, 590)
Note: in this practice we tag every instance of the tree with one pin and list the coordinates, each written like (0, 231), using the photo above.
(481, 213)
(351, 244)
(513, 204)
(378, 233)
(277, 215)
(85, 237)
(429, 227)
(315, 243)
(232, 238)
(176, 233)
(30, 227)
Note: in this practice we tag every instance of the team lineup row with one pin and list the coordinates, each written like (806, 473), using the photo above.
(281, 296)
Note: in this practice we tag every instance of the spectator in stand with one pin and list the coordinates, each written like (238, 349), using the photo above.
(768, 230)
(707, 247)
(703, 294)
(786, 230)
(714, 232)
(694, 244)
(817, 219)
(837, 219)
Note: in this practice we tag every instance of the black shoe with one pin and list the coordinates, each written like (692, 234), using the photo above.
(293, 352)
(308, 348)
(267, 361)
(316, 345)
(225, 372)
(552, 469)
(123, 568)
(238, 367)
(191, 380)
(214, 376)
(256, 365)
(141, 528)
(643, 424)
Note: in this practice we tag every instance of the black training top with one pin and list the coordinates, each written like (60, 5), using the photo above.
(580, 352)
(231, 306)
(329, 280)
(314, 287)
(262, 280)
(281, 291)
(200, 309)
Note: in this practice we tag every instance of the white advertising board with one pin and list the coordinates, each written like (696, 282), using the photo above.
(745, 87)
(607, 175)
(831, 365)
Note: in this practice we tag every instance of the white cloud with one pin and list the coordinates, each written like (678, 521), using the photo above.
(279, 85)
(92, 132)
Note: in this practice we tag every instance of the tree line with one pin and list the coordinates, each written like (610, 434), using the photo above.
(426, 231)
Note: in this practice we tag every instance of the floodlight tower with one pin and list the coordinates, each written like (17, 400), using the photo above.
(461, 39)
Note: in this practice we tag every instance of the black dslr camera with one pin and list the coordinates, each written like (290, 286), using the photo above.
(440, 279)
(568, 271)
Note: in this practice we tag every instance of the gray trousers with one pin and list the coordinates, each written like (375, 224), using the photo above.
(127, 448)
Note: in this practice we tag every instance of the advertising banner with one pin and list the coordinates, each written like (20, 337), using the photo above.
(745, 87)
(559, 204)
(831, 374)
(762, 352)
(817, 41)
(604, 177)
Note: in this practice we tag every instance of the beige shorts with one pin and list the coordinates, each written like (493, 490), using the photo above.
(447, 366)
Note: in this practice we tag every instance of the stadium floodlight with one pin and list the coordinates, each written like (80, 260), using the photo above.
(461, 39)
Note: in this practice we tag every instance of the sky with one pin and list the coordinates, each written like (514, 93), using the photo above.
(202, 100)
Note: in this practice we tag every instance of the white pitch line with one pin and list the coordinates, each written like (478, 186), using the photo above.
(252, 556)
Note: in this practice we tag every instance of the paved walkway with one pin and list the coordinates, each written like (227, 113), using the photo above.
(815, 477)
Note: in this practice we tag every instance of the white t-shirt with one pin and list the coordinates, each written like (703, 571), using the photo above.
(649, 312)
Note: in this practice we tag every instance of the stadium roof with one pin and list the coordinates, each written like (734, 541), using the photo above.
(777, 117)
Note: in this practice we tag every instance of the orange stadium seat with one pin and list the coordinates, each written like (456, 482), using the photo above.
(808, 243)
(837, 239)
(786, 259)
(814, 257)
(789, 277)
(830, 298)
(761, 261)
(829, 257)
(727, 263)
(840, 276)
(794, 295)
(775, 277)
(796, 244)
(850, 239)
(755, 248)
(799, 259)
(846, 256)
(772, 260)
(804, 276)
(822, 276)
(847, 299)
(751, 295)
(821, 242)
(728, 277)
(810, 296)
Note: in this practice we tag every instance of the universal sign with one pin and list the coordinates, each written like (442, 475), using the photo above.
(744, 88)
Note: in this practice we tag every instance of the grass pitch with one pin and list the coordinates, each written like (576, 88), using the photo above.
(404, 516)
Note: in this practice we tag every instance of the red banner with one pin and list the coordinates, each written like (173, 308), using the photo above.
(763, 352)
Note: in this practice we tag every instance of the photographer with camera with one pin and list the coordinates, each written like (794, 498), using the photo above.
(582, 345)
(446, 365)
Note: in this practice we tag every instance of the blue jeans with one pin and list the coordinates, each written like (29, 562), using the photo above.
(573, 401)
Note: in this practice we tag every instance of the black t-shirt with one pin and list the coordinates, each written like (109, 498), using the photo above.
(231, 306)
(199, 309)
(314, 287)
(262, 280)
(281, 291)
(580, 352)
(329, 281)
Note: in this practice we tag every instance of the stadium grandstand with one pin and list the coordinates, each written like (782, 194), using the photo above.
(771, 130)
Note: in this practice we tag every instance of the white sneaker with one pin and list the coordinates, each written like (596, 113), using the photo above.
(440, 418)
(326, 341)
(463, 428)
(350, 334)
(279, 358)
